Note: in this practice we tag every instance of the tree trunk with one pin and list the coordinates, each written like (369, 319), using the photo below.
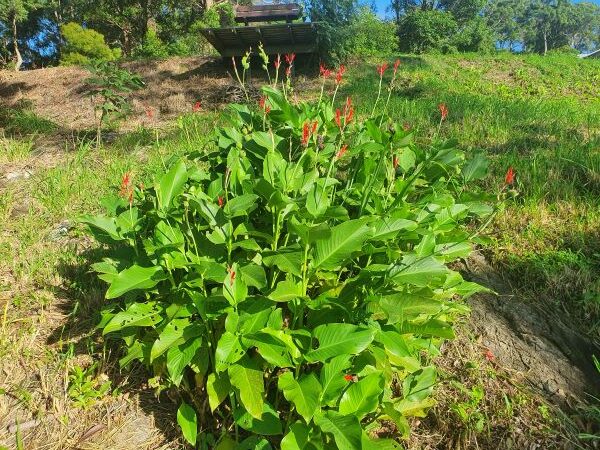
(18, 56)
(545, 42)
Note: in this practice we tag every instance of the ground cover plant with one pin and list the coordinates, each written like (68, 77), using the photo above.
(292, 278)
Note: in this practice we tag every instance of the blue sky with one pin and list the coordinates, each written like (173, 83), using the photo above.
(381, 5)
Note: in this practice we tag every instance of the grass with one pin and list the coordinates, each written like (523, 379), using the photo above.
(538, 115)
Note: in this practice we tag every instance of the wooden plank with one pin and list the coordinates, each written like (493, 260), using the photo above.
(265, 13)
(276, 38)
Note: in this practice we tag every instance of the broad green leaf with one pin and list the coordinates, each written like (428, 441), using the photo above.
(168, 234)
(240, 205)
(217, 388)
(254, 275)
(270, 348)
(346, 430)
(416, 408)
(345, 239)
(304, 393)
(180, 356)
(287, 260)
(379, 444)
(418, 386)
(475, 168)
(267, 424)
(406, 159)
(286, 290)
(362, 397)
(137, 315)
(418, 271)
(234, 288)
(170, 335)
(388, 228)
(187, 420)
(401, 306)
(297, 437)
(332, 379)
(432, 327)
(254, 314)
(247, 376)
(133, 278)
(103, 228)
(309, 234)
(171, 185)
(339, 338)
(397, 350)
(317, 199)
(229, 350)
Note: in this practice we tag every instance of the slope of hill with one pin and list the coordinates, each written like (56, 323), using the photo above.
(523, 353)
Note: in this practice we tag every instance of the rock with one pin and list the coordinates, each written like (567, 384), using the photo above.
(60, 231)
(18, 174)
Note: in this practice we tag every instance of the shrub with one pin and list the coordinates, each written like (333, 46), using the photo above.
(431, 30)
(82, 46)
(475, 36)
(291, 279)
(109, 86)
(152, 46)
(368, 35)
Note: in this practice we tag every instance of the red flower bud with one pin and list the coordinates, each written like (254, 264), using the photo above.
(396, 64)
(443, 110)
(348, 377)
(340, 73)
(277, 62)
(341, 151)
(381, 69)
(510, 176)
(197, 107)
(221, 202)
(338, 118)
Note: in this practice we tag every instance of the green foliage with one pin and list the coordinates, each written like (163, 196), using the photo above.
(368, 35)
(422, 31)
(152, 47)
(293, 275)
(109, 87)
(83, 46)
(85, 387)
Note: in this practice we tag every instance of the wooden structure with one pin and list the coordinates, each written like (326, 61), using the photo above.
(299, 37)
(267, 13)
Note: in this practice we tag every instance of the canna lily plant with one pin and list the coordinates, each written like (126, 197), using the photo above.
(292, 280)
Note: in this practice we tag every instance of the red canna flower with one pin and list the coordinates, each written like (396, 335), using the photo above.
(197, 107)
(288, 71)
(348, 377)
(305, 134)
(277, 61)
(221, 202)
(395, 162)
(510, 176)
(382, 68)
(149, 113)
(324, 72)
(341, 151)
(261, 102)
(126, 190)
(396, 64)
(443, 110)
(289, 58)
(314, 127)
(338, 118)
(340, 74)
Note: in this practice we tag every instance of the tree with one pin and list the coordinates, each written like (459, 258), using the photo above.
(421, 31)
(13, 12)
(82, 46)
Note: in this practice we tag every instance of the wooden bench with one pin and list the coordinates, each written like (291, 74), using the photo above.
(267, 13)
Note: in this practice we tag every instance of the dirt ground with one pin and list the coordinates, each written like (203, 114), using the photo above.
(172, 87)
